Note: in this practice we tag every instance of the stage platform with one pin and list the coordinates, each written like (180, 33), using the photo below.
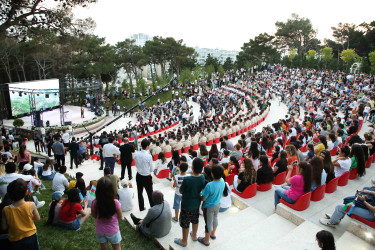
(53, 116)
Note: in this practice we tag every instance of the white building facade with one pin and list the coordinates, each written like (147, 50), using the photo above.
(220, 54)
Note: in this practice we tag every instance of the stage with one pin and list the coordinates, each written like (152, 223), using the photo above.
(72, 113)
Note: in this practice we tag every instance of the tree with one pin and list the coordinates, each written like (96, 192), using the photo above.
(228, 64)
(371, 57)
(310, 55)
(349, 56)
(185, 75)
(220, 69)
(209, 69)
(296, 33)
(261, 48)
(18, 16)
(210, 60)
(17, 123)
(326, 55)
(292, 54)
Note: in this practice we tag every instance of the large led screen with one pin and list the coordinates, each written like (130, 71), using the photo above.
(20, 103)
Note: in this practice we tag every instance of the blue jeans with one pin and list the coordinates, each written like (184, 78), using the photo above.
(223, 209)
(110, 163)
(361, 212)
(280, 193)
(48, 177)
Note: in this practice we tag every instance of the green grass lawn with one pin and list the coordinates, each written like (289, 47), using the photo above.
(52, 237)
(164, 97)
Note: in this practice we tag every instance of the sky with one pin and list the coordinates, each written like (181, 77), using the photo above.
(218, 24)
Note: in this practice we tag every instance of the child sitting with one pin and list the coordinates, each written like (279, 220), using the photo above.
(310, 153)
(19, 217)
(226, 171)
(177, 184)
(126, 195)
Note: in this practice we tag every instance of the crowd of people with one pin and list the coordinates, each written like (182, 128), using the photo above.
(316, 142)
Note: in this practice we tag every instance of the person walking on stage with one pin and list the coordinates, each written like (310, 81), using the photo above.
(109, 153)
(82, 112)
(145, 166)
(73, 148)
(126, 158)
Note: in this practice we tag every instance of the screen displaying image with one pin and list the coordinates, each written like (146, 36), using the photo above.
(20, 104)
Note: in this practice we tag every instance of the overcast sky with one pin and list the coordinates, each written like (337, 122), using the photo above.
(223, 24)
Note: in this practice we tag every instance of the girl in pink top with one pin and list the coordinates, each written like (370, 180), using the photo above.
(23, 157)
(299, 184)
(107, 211)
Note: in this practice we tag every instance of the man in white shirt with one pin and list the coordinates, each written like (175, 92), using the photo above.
(59, 182)
(126, 195)
(65, 137)
(145, 166)
(109, 154)
(11, 175)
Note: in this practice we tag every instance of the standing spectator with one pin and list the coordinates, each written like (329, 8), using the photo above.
(102, 141)
(106, 210)
(23, 157)
(59, 152)
(145, 166)
(73, 148)
(65, 137)
(19, 218)
(190, 189)
(177, 181)
(211, 197)
(126, 195)
(126, 157)
(109, 153)
(81, 152)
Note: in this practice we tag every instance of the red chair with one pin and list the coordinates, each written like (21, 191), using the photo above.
(133, 162)
(333, 152)
(210, 142)
(353, 174)
(155, 157)
(119, 141)
(269, 151)
(318, 193)
(217, 140)
(204, 143)
(131, 138)
(368, 163)
(229, 136)
(343, 180)
(249, 192)
(280, 178)
(152, 133)
(367, 222)
(372, 158)
(168, 155)
(303, 149)
(287, 142)
(264, 187)
(147, 134)
(242, 131)
(186, 150)
(234, 134)
(179, 152)
(301, 204)
(163, 174)
(332, 185)
(230, 179)
(195, 147)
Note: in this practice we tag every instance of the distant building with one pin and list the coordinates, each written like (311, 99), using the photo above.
(140, 39)
(220, 54)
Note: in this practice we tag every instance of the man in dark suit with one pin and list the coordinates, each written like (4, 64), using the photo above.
(126, 158)
(73, 148)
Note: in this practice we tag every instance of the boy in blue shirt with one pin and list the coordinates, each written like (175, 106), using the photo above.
(211, 197)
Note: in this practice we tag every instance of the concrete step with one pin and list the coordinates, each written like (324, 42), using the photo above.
(302, 237)
(348, 241)
(260, 235)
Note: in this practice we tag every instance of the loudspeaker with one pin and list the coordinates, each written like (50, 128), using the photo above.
(68, 123)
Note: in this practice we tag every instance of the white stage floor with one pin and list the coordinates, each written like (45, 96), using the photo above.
(53, 116)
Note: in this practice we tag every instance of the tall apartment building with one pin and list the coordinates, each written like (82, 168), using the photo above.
(220, 54)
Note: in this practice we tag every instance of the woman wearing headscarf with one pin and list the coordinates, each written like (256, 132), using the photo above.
(158, 221)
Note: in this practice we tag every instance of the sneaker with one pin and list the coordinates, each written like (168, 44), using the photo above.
(328, 216)
(174, 219)
(37, 192)
(40, 204)
(326, 222)
(42, 188)
(373, 181)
